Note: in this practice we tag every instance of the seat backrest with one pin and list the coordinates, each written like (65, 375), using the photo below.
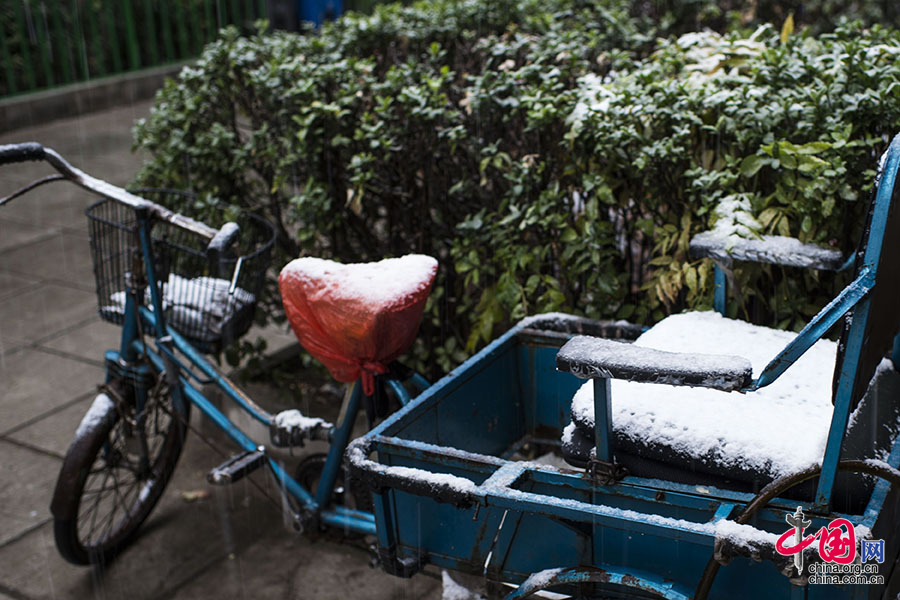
(873, 323)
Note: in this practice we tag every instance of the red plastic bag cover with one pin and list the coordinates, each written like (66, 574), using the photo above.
(356, 318)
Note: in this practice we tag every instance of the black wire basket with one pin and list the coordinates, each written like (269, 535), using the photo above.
(203, 301)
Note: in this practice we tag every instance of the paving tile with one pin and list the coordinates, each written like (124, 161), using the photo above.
(14, 233)
(54, 433)
(276, 336)
(64, 257)
(89, 341)
(283, 566)
(12, 283)
(26, 485)
(179, 541)
(49, 209)
(14, 176)
(33, 569)
(36, 382)
(9, 344)
(315, 578)
(45, 310)
(88, 133)
(98, 144)
(183, 551)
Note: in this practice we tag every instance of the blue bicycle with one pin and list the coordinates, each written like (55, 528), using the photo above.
(180, 289)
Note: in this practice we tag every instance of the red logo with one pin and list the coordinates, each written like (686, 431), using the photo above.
(837, 540)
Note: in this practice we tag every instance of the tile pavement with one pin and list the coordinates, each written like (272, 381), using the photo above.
(233, 544)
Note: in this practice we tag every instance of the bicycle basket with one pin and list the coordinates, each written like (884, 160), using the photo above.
(197, 301)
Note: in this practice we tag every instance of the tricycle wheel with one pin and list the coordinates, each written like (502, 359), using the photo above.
(115, 471)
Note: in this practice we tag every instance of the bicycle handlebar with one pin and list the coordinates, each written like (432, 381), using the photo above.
(13, 153)
(32, 151)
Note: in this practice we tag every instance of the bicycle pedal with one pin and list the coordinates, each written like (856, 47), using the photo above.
(291, 428)
(235, 468)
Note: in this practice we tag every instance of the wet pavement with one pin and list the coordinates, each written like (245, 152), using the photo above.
(232, 543)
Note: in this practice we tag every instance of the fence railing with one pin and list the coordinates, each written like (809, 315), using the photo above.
(47, 43)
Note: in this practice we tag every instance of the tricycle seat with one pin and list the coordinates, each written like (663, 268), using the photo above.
(788, 431)
(356, 318)
(728, 439)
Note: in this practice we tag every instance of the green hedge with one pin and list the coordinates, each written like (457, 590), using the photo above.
(554, 155)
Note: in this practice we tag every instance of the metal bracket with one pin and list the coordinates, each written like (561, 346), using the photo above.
(399, 567)
(606, 473)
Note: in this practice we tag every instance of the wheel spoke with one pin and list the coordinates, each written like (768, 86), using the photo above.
(97, 491)
(96, 505)
(115, 507)
(128, 505)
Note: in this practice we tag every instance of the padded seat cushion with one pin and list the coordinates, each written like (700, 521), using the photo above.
(356, 318)
(729, 439)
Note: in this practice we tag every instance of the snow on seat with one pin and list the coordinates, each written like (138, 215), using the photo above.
(776, 430)
(356, 318)
(773, 249)
(588, 357)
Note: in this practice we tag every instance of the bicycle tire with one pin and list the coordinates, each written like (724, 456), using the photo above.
(104, 447)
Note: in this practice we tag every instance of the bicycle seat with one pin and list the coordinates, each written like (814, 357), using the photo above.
(356, 318)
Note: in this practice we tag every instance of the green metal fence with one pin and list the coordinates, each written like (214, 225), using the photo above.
(47, 43)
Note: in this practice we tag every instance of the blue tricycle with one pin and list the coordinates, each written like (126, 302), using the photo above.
(681, 456)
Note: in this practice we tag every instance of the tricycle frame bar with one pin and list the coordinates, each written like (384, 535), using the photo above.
(705, 498)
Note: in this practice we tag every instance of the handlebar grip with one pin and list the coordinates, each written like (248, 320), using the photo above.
(219, 247)
(13, 153)
(224, 238)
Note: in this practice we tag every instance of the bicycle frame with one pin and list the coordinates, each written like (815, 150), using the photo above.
(137, 247)
(172, 354)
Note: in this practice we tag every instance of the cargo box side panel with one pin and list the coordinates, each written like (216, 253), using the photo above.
(446, 535)
(547, 392)
(485, 413)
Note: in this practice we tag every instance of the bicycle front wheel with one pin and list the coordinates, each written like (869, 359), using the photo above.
(115, 471)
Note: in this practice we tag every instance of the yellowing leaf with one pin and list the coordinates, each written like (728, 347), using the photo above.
(768, 218)
(787, 29)
(194, 495)
(690, 279)
(354, 201)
